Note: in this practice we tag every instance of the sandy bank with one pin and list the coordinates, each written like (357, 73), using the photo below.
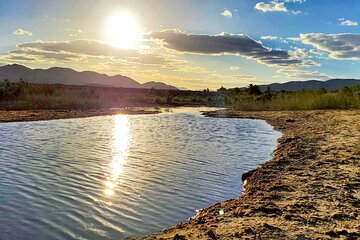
(309, 190)
(37, 115)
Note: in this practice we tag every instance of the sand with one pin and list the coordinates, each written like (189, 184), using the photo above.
(310, 189)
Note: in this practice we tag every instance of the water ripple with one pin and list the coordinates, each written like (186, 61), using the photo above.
(110, 177)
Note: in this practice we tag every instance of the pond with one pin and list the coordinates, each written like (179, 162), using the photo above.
(111, 177)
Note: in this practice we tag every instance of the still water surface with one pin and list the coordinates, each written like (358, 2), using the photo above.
(110, 177)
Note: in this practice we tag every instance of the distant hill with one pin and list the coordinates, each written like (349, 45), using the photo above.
(330, 85)
(68, 76)
(158, 85)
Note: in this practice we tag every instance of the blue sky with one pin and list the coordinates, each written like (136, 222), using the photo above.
(189, 43)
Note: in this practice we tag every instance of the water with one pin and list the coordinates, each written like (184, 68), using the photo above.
(110, 177)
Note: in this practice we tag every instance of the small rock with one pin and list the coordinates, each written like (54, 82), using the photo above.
(179, 237)
(211, 234)
(247, 175)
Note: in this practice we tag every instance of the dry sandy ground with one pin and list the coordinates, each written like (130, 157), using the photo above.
(37, 115)
(309, 190)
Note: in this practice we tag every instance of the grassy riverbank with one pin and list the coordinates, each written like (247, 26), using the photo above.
(346, 98)
(309, 190)
(25, 96)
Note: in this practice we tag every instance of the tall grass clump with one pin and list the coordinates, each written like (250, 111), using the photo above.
(347, 98)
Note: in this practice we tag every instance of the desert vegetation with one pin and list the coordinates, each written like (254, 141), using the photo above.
(346, 98)
(25, 96)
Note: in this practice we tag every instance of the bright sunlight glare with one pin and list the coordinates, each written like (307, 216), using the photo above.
(123, 31)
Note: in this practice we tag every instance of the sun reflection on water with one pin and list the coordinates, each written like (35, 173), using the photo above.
(121, 138)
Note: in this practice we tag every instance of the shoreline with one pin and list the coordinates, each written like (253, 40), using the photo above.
(42, 115)
(55, 114)
(310, 189)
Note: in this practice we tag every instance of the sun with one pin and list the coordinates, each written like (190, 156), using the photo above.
(123, 31)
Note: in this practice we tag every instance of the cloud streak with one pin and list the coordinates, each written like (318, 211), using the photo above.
(295, 1)
(339, 46)
(273, 38)
(224, 44)
(23, 32)
(83, 49)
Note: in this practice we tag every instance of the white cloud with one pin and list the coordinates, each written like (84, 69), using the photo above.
(234, 68)
(294, 39)
(22, 32)
(270, 38)
(296, 12)
(274, 38)
(273, 6)
(317, 52)
(300, 52)
(340, 46)
(348, 23)
(295, 1)
(227, 13)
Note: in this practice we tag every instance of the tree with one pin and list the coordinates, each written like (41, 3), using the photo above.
(346, 91)
(253, 90)
(222, 89)
(322, 91)
(268, 90)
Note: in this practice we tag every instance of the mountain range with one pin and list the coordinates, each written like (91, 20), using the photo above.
(68, 76)
(330, 85)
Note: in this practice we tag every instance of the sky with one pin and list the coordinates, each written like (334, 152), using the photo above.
(193, 44)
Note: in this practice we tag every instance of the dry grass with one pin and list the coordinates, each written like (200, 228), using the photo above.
(301, 100)
(23, 96)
